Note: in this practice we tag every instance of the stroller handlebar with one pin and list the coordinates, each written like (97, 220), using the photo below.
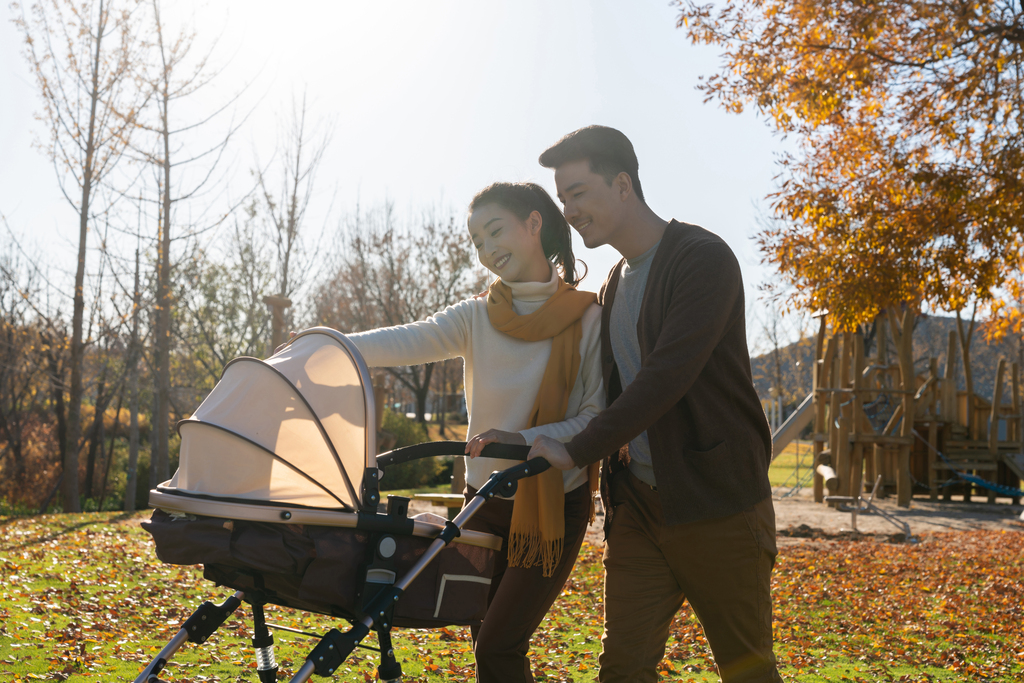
(433, 449)
(504, 483)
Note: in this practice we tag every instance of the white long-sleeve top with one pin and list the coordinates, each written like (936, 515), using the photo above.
(502, 373)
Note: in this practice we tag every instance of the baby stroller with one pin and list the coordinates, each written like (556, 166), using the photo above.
(277, 495)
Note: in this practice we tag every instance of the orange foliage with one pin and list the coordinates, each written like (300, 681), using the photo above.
(908, 184)
(40, 464)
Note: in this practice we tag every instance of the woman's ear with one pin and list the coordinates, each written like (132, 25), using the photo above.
(534, 222)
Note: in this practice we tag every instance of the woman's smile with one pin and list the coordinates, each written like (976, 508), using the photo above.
(508, 246)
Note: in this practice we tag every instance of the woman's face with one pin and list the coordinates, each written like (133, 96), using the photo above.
(508, 247)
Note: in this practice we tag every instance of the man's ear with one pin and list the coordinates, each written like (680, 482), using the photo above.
(623, 184)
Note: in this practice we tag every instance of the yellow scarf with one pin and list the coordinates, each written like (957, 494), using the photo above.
(538, 514)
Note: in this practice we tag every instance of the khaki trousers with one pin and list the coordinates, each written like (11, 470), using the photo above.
(722, 566)
(520, 597)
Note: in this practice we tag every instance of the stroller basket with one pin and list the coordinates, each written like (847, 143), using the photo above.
(277, 496)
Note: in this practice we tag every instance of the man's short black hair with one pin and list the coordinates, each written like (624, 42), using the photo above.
(608, 151)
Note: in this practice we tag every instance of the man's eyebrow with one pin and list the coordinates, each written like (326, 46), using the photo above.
(573, 186)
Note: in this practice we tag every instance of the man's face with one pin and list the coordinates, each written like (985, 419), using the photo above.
(591, 206)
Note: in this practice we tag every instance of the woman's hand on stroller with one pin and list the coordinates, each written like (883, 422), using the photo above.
(477, 443)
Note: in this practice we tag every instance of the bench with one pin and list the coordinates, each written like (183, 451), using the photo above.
(452, 501)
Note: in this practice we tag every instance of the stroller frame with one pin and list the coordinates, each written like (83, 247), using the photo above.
(381, 589)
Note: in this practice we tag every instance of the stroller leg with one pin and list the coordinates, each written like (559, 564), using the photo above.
(331, 652)
(196, 629)
(389, 671)
(263, 643)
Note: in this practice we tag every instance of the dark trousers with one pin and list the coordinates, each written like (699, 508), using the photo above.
(520, 597)
(722, 566)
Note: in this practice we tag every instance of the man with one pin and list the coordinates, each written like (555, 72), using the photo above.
(688, 498)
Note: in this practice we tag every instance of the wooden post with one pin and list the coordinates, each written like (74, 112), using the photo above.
(277, 305)
(379, 388)
(993, 425)
(857, 457)
(933, 412)
(842, 461)
(1018, 418)
(997, 400)
(833, 412)
(903, 478)
(1015, 397)
(950, 402)
(949, 384)
(882, 342)
(821, 402)
(903, 336)
(459, 475)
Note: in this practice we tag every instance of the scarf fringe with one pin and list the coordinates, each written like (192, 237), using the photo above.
(527, 549)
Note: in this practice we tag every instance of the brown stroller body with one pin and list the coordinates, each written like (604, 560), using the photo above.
(277, 496)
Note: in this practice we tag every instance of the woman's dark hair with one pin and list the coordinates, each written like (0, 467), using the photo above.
(522, 199)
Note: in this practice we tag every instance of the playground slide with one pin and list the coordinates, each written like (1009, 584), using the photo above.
(794, 424)
(1015, 461)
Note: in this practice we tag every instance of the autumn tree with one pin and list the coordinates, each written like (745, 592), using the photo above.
(388, 274)
(83, 54)
(906, 185)
(22, 379)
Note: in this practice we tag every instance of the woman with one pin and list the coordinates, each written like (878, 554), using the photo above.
(532, 366)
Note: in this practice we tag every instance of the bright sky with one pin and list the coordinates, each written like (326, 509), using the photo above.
(433, 101)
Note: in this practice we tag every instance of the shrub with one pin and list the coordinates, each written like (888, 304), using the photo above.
(415, 474)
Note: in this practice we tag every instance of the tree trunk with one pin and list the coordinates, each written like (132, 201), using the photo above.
(421, 392)
(110, 451)
(444, 399)
(161, 417)
(133, 392)
(98, 433)
(59, 409)
(154, 478)
(71, 501)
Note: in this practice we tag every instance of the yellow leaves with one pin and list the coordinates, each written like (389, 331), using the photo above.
(875, 91)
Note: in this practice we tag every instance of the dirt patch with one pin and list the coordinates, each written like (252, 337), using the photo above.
(800, 520)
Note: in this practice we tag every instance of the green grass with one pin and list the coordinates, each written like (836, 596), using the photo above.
(83, 597)
(782, 471)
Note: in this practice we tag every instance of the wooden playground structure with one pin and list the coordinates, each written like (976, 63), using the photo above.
(875, 416)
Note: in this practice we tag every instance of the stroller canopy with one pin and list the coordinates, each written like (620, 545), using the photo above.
(296, 429)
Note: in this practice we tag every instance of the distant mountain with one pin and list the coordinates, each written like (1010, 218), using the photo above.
(793, 362)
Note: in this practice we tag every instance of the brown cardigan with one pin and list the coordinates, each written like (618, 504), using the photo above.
(710, 441)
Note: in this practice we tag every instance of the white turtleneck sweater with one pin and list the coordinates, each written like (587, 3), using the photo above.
(502, 373)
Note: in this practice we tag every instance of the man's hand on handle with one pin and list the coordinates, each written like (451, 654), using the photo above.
(553, 451)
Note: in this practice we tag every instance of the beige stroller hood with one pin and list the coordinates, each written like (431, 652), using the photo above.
(294, 430)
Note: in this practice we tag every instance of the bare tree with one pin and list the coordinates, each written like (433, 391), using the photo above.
(388, 275)
(83, 54)
(300, 153)
(179, 74)
(221, 303)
